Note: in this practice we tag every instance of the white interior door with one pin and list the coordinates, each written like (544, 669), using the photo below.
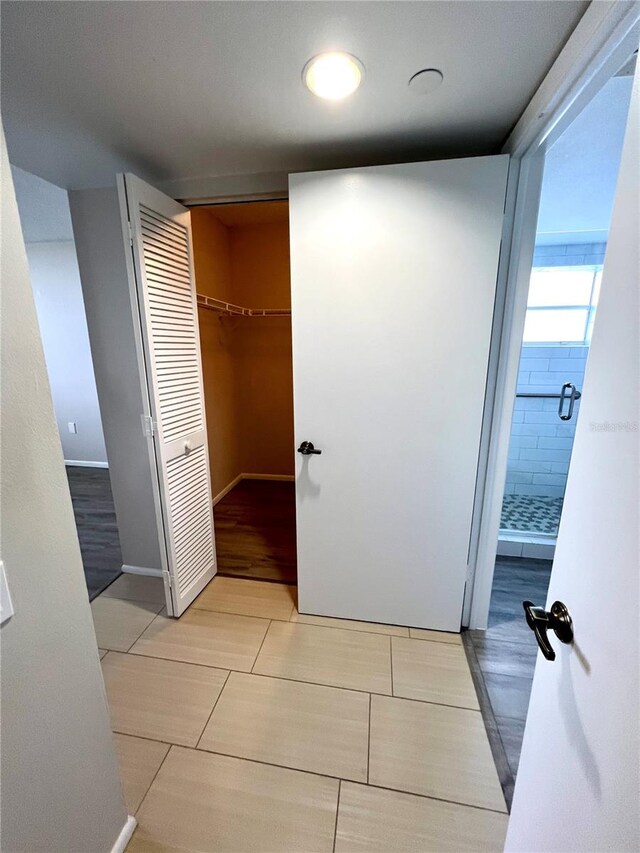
(393, 274)
(166, 299)
(578, 784)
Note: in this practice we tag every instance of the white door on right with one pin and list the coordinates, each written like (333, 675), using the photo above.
(393, 278)
(578, 785)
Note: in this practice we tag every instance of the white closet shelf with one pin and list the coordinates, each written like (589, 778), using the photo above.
(230, 309)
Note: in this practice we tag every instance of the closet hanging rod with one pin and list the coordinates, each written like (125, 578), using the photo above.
(232, 310)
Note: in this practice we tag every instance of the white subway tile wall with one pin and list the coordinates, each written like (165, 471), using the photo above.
(569, 255)
(541, 443)
(540, 447)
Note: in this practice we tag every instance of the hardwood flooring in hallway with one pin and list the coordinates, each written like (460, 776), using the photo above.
(95, 518)
(503, 659)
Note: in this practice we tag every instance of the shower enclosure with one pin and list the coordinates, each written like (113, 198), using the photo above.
(562, 301)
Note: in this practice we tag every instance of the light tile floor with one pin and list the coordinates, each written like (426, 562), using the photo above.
(247, 726)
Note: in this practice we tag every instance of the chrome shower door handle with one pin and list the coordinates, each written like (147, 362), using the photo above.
(574, 395)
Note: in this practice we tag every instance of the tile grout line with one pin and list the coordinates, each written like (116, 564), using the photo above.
(297, 680)
(336, 778)
(369, 741)
(141, 633)
(305, 624)
(335, 826)
(391, 662)
(213, 709)
(155, 775)
(255, 660)
(148, 737)
(229, 613)
(318, 773)
(406, 636)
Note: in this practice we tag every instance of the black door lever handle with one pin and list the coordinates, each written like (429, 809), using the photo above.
(558, 620)
(307, 449)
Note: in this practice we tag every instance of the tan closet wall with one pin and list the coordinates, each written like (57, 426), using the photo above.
(261, 279)
(212, 262)
(247, 362)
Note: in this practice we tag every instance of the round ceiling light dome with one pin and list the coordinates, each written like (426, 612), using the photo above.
(333, 76)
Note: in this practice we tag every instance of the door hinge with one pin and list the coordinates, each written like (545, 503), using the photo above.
(167, 578)
(130, 234)
(148, 426)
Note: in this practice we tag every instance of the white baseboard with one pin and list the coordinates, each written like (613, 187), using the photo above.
(79, 463)
(125, 835)
(141, 570)
(289, 478)
(227, 489)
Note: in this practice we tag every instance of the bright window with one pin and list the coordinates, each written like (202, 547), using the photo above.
(561, 304)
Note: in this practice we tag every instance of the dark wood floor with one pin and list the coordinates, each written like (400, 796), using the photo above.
(503, 659)
(256, 531)
(96, 525)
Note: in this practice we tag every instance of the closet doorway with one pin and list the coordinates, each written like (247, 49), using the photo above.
(242, 272)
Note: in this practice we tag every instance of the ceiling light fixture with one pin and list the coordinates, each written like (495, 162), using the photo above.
(333, 76)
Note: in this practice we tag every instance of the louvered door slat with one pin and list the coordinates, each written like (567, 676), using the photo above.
(172, 284)
(149, 227)
(167, 292)
(162, 223)
(188, 539)
(168, 308)
(157, 257)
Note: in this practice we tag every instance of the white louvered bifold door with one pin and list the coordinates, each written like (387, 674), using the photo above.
(163, 260)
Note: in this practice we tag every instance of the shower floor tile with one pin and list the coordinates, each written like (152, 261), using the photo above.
(531, 513)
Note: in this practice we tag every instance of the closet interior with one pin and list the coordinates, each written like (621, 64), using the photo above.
(242, 272)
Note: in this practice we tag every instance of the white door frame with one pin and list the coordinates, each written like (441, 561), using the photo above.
(606, 36)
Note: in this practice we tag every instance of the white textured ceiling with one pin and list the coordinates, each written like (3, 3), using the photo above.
(173, 90)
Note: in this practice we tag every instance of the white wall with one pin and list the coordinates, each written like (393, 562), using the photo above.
(60, 786)
(46, 226)
(43, 208)
(63, 326)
